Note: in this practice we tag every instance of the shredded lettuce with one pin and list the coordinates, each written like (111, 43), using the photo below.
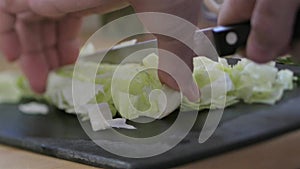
(260, 83)
(9, 90)
(134, 90)
(214, 83)
(137, 91)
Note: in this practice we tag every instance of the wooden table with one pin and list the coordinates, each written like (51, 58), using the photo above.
(278, 153)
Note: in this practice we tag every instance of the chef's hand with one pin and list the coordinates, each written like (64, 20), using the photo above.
(190, 11)
(43, 34)
(272, 26)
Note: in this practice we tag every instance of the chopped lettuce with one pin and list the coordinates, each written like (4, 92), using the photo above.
(134, 90)
(9, 90)
(214, 83)
(137, 91)
(101, 118)
(260, 83)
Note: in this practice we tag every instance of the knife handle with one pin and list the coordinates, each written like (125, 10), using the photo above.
(228, 39)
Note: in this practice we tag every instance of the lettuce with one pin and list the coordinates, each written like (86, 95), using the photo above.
(9, 90)
(134, 90)
(214, 83)
(260, 83)
(137, 91)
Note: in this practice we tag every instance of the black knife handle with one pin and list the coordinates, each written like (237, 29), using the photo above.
(228, 39)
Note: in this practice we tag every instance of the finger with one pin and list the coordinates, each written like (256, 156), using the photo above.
(235, 11)
(14, 6)
(271, 29)
(32, 61)
(190, 89)
(9, 42)
(29, 16)
(177, 73)
(101, 9)
(68, 39)
(295, 52)
(49, 33)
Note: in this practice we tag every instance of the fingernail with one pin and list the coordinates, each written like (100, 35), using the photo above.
(38, 90)
(193, 93)
(39, 87)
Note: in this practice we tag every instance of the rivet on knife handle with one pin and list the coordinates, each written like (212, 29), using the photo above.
(230, 38)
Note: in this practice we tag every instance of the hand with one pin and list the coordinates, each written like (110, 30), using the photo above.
(272, 26)
(43, 34)
(188, 10)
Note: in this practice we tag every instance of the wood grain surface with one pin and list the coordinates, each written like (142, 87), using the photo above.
(13, 158)
(278, 153)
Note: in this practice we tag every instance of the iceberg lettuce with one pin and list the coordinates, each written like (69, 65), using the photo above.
(137, 91)
(134, 90)
(9, 90)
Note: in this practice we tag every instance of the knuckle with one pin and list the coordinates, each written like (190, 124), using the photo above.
(264, 32)
(36, 6)
(6, 22)
(260, 32)
(45, 8)
(7, 5)
(14, 6)
(260, 24)
(19, 24)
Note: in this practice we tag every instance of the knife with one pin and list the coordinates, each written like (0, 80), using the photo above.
(117, 55)
(211, 42)
(226, 40)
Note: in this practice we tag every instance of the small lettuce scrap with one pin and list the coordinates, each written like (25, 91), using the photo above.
(34, 108)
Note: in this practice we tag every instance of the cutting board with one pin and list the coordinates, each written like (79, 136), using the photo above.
(60, 135)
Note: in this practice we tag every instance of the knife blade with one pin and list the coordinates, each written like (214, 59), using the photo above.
(117, 55)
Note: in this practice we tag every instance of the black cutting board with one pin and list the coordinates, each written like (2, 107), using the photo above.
(59, 134)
